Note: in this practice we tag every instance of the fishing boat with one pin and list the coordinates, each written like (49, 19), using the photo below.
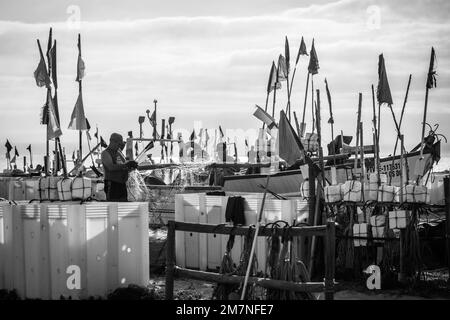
(288, 182)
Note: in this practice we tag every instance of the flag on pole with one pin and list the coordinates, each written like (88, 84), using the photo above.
(52, 66)
(8, 146)
(88, 125)
(193, 136)
(206, 138)
(53, 127)
(282, 69)
(264, 117)
(221, 132)
(331, 120)
(88, 134)
(80, 68)
(103, 143)
(272, 84)
(301, 50)
(16, 153)
(149, 146)
(431, 79)
(287, 54)
(41, 75)
(78, 118)
(153, 119)
(313, 66)
(29, 148)
(383, 90)
(290, 147)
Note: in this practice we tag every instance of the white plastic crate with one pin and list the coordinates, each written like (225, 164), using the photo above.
(399, 219)
(48, 189)
(416, 194)
(200, 208)
(360, 230)
(108, 242)
(388, 194)
(352, 191)
(333, 193)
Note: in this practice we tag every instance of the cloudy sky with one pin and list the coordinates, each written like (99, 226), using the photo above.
(209, 61)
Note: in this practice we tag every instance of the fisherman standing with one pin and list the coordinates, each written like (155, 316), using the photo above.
(116, 169)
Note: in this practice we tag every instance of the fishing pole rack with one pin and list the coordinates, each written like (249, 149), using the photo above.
(327, 231)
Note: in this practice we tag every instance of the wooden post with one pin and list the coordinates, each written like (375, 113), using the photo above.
(402, 181)
(170, 259)
(447, 219)
(401, 275)
(311, 206)
(31, 158)
(329, 261)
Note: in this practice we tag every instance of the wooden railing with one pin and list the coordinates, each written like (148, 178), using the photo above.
(327, 231)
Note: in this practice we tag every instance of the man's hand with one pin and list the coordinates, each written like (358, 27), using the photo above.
(132, 164)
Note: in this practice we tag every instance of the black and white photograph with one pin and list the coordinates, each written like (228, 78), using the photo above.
(224, 156)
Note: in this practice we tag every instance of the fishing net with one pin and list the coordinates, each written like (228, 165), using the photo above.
(136, 188)
(222, 291)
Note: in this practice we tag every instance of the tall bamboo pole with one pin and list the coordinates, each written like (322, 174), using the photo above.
(376, 141)
(288, 108)
(399, 125)
(50, 66)
(320, 186)
(255, 237)
(266, 106)
(358, 121)
(363, 164)
(312, 102)
(274, 96)
(58, 149)
(303, 124)
(403, 111)
(430, 70)
(331, 120)
(154, 120)
(80, 90)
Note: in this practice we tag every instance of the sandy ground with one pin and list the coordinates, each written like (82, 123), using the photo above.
(197, 290)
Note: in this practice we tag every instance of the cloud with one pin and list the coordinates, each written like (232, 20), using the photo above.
(215, 67)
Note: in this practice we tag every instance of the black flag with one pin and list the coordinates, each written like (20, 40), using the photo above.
(8, 146)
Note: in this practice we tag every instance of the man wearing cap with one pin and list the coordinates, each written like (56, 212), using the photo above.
(116, 169)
